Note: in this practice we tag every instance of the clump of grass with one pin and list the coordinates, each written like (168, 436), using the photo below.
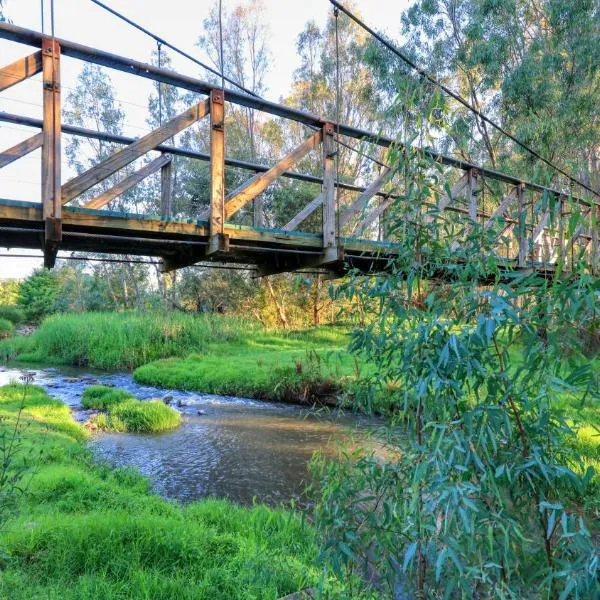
(103, 397)
(125, 340)
(12, 313)
(139, 417)
(6, 328)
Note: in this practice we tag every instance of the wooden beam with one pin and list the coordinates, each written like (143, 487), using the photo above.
(540, 227)
(373, 214)
(127, 155)
(308, 210)
(471, 195)
(329, 225)
(51, 150)
(133, 179)
(257, 184)
(364, 197)
(166, 187)
(20, 70)
(216, 215)
(21, 149)
(502, 208)
(457, 188)
(521, 228)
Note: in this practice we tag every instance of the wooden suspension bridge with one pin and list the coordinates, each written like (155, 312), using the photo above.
(534, 231)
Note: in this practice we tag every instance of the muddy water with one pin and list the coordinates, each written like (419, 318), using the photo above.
(227, 447)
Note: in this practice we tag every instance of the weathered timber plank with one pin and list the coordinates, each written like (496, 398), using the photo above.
(127, 155)
(304, 213)
(127, 183)
(256, 185)
(21, 149)
(216, 215)
(329, 228)
(502, 208)
(364, 197)
(372, 215)
(166, 189)
(457, 188)
(21, 69)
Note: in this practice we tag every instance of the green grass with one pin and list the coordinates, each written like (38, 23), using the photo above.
(102, 396)
(6, 328)
(299, 366)
(138, 416)
(82, 531)
(121, 340)
(12, 313)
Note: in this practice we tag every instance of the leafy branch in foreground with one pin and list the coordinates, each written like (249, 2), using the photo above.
(479, 494)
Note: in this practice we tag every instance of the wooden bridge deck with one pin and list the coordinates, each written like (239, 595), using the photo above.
(184, 241)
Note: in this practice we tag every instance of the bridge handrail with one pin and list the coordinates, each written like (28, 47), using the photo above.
(100, 57)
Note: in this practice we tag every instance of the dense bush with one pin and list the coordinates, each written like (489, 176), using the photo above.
(6, 328)
(12, 313)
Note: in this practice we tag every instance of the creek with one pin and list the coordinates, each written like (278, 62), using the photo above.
(240, 449)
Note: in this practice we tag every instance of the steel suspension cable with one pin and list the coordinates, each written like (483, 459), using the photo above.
(392, 48)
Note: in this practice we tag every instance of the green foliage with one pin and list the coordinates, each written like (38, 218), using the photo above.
(38, 293)
(484, 488)
(9, 291)
(6, 328)
(102, 396)
(139, 416)
(124, 340)
(84, 531)
(12, 313)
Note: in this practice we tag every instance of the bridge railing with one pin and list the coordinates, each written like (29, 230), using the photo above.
(536, 224)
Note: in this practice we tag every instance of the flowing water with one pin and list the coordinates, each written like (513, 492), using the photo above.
(227, 447)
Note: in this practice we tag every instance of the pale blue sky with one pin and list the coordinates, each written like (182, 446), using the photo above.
(84, 22)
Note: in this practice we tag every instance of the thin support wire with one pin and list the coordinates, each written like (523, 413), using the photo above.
(338, 101)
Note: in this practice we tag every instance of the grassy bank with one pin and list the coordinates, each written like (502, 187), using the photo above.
(121, 340)
(305, 366)
(82, 531)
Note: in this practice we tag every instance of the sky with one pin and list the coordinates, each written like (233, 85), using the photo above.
(84, 22)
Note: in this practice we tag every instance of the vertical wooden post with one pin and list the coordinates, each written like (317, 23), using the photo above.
(471, 196)
(51, 151)
(217, 239)
(561, 234)
(595, 223)
(522, 227)
(329, 228)
(166, 209)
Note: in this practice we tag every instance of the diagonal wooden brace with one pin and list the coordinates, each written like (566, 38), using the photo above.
(308, 210)
(502, 208)
(257, 184)
(373, 215)
(21, 149)
(129, 181)
(20, 70)
(363, 198)
(123, 157)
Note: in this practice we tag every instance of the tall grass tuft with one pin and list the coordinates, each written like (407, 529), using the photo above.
(12, 313)
(139, 416)
(123, 340)
(103, 397)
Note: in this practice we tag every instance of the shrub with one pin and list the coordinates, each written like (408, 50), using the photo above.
(12, 313)
(38, 293)
(102, 396)
(6, 328)
(139, 417)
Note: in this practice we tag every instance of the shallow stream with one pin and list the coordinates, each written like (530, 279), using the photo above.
(227, 447)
